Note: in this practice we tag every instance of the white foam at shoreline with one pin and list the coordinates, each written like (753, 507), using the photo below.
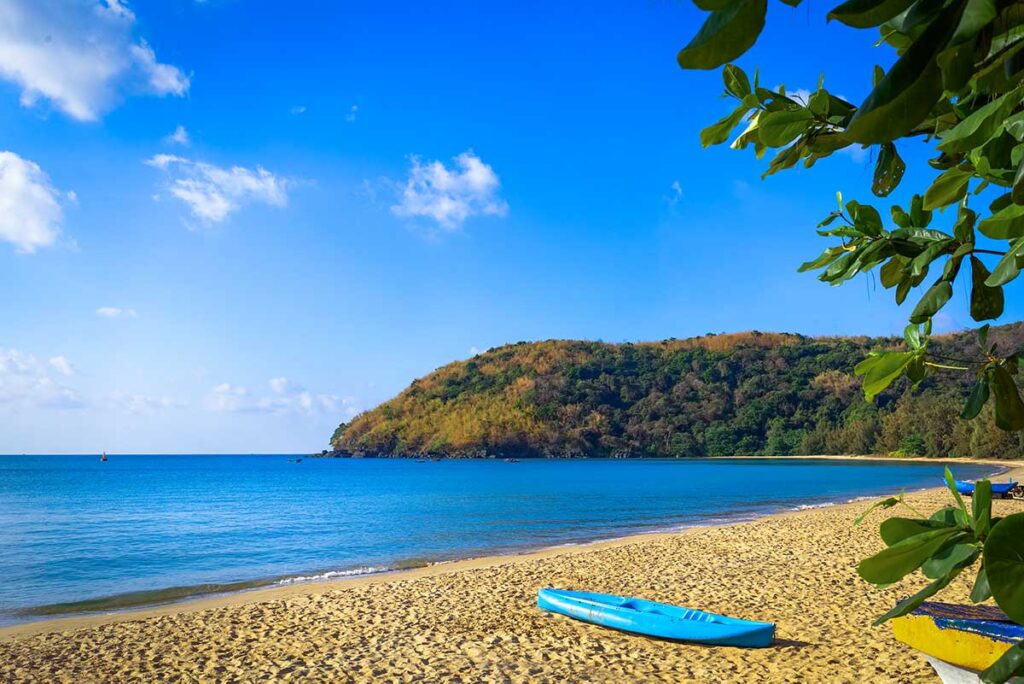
(332, 574)
(808, 507)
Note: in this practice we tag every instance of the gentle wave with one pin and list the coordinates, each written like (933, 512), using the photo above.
(333, 574)
(156, 597)
(810, 507)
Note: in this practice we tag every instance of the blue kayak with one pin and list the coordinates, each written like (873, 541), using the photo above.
(999, 489)
(656, 619)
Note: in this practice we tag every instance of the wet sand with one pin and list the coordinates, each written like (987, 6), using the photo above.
(477, 620)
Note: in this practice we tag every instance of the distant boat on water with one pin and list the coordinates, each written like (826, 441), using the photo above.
(103, 458)
(295, 460)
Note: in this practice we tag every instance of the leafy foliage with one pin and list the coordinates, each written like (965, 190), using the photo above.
(945, 545)
(957, 82)
(749, 393)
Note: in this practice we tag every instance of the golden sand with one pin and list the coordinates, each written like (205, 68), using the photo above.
(477, 620)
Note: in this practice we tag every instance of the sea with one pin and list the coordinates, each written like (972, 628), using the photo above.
(78, 535)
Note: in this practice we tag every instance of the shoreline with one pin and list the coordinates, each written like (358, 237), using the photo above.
(477, 620)
(278, 589)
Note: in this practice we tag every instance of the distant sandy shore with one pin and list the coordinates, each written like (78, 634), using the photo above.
(476, 620)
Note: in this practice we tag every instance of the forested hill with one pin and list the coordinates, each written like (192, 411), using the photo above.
(731, 394)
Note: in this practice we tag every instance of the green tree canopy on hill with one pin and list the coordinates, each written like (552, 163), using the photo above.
(719, 395)
(957, 82)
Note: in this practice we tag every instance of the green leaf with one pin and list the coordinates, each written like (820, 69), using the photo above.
(718, 132)
(899, 560)
(819, 102)
(946, 515)
(919, 14)
(932, 252)
(933, 300)
(1007, 268)
(981, 507)
(948, 557)
(976, 400)
(1017, 192)
(725, 35)
(912, 336)
(881, 370)
(951, 485)
(1004, 565)
(900, 217)
(865, 217)
(824, 259)
(984, 123)
(1007, 224)
(712, 5)
(986, 302)
(907, 93)
(963, 230)
(780, 128)
(892, 273)
(868, 13)
(786, 158)
(957, 65)
(884, 503)
(895, 530)
(910, 603)
(888, 170)
(977, 15)
(980, 591)
(736, 81)
(949, 187)
(1009, 664)
(918, 216)
(1009, 408)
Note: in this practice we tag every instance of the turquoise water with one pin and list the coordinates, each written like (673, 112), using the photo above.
(79, 535)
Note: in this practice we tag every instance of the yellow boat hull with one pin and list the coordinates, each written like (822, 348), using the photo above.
(971, 637)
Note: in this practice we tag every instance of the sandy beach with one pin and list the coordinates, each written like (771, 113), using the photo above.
(477, 621)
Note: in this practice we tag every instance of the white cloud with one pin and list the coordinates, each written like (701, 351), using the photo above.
(179, 136)
(141, 404)
(676, 193)
(30, 215)
(213, 193)
(473, 351)
(801, 95)
(115, 312)
(856, 153)
(163, 79)
(450, 196)
(26, 382)
(943, 322)
(81, 55)
(352, 111)
(284, 397)
(62, 365)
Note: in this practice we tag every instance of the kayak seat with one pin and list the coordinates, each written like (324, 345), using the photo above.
(689, 614)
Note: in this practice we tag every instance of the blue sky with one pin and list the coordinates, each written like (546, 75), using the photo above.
(234, 223)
